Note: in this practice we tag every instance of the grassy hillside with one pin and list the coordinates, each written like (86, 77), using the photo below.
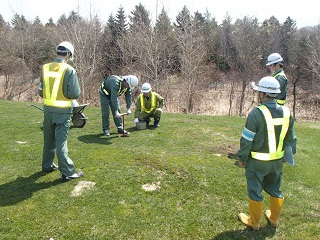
(197, 193)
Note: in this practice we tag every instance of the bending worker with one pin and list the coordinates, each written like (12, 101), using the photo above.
(58, 86)
(268, 131)
(275, 65)
(110, 90)
(149, 104)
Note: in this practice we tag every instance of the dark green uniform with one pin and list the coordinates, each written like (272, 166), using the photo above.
(56, 124)
(110, 90)
(263, 175)
(282, 79)
(151, 111)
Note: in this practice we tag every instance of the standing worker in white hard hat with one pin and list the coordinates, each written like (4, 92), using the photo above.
(58, 86)
(275, 65)
(148, 105)
(268, 131)
(113, 87)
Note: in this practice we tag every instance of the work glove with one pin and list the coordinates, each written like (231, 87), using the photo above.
(117, 115)
(242, 164)
(129, 111)
(136, 120)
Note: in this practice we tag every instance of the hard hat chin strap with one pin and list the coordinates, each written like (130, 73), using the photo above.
(271, 95)
(69, 58)
(127, 85)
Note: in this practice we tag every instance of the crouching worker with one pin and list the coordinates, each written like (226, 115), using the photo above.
(267, 133)
(148, 105)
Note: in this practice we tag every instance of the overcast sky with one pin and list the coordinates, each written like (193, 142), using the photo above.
(305, 13)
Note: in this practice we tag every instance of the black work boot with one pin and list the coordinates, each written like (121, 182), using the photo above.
(147, 121)
(124, 132)
(156, 122)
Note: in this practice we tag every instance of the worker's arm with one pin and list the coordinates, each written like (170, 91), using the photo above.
(248, 137)
(160, 100)
(138, 108)
(291, 139)
(128, 97)
(40, 90)
(113, 88)
(71, 88)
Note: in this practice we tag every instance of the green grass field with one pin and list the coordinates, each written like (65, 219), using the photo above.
(197, 193)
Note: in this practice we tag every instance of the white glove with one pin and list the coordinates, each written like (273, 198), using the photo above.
(136, 120)
(117, 115)
(74, 103)
(129, 111)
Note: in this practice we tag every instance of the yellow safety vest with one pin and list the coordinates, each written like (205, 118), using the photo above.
(279, 101)
(53, 75)
(119, 92)
(153, 103)
(274, 151)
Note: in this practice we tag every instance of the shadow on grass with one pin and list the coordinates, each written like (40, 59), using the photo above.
(22, 188)
(265, 232)
(101, 139)
(97, 138)
(134, 129)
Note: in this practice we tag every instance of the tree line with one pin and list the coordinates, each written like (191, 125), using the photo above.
(198, 65)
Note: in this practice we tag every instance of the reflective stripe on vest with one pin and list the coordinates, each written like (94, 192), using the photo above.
(153, 103)
(119, 92)
(104, 90)
(274, 151)
(281, 102)
(53, 75)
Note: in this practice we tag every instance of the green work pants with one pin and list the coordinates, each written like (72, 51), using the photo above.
(55, 132)
(263, 175)
(143, 116)
(105, 103)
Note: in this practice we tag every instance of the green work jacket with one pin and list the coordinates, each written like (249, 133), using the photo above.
(282, 79)
(255, 136)
(113, 87)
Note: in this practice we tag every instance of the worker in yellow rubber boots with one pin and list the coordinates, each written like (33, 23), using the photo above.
(58, 86)
(148, 105)
(269, 129)
(275, 65)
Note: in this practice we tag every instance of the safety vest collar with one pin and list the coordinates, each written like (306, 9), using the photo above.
(279, 73)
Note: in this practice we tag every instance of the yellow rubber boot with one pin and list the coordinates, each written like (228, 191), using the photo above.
(255, 214)
(273, 215)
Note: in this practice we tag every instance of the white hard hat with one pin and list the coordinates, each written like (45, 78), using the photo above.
(145, 88)
(274, 58)
(132, 81)
(69, 47)
(268, 85)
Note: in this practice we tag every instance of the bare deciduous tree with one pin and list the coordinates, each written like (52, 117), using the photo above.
(193, 53)
(85, 36)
